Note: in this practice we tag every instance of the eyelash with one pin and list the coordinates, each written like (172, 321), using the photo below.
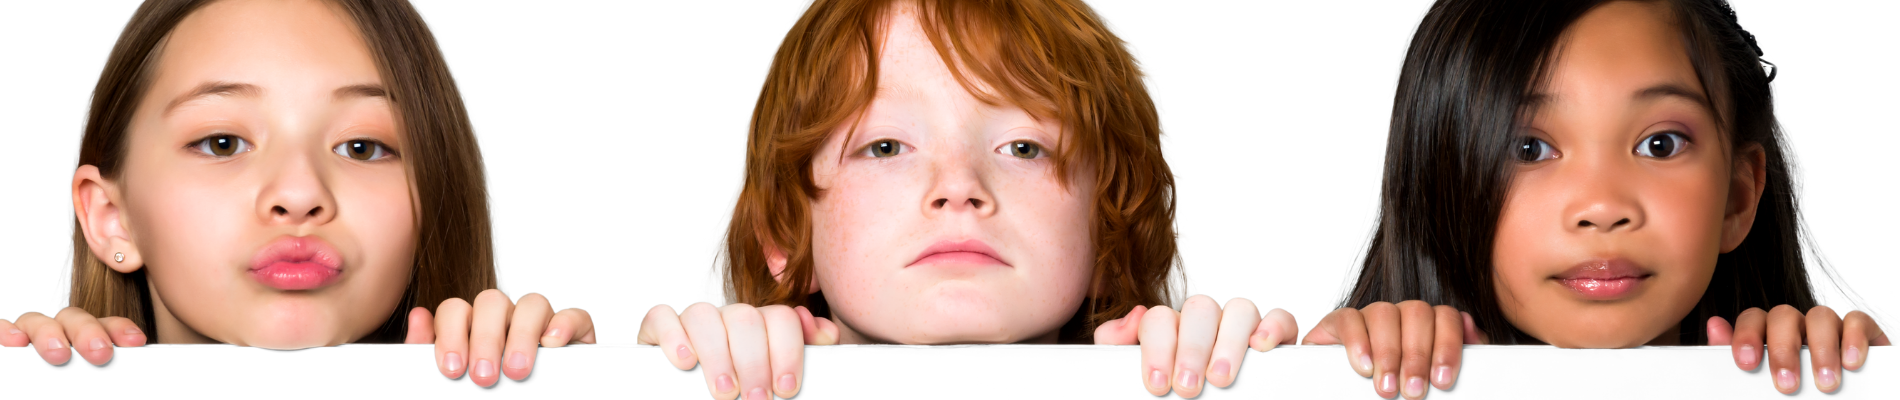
(203, 146)
(379, 152)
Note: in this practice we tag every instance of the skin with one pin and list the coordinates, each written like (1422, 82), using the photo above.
(1622, 79)
(295, 83)
(953, 177)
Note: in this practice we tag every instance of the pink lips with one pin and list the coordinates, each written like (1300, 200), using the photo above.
(968, 253)
(1603, 279)
(296, 263)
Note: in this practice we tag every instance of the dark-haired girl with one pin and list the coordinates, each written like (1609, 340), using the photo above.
(1586, 174)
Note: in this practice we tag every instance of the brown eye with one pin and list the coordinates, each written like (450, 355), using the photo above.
(884, 148)
(1662, 145)
(1021, 149)
(362, 150)
(221, 146)
(1532, 150)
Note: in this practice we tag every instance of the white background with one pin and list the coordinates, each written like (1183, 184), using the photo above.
(614, 137)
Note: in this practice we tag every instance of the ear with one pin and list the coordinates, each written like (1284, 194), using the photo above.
(775, 259)
(96, 204)
(1747, 179)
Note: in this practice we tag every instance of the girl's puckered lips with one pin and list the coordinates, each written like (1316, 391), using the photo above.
(1603, 279)
(967, 252)
(296, 263)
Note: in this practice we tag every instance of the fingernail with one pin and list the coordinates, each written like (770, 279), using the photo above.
(454, 361)
(786, 383)
(98, 344)
(54, 345)
(553, 333)
(1785, 379)
(1189, 379)
(1389, 383)
(133, 331)
(723, 384)
(684, 353)
(755, 394)
(1156, 379)
(1851, 355)
(1746, 353)
(13, 331)
(1825, 379)
(518, 361)
(484, 368)
(1221, 369)
(1442, 375)
(1365, 363)
(1415, 387)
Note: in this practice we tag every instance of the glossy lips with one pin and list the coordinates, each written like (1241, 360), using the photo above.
(1603, 279)
(296, 263)
(968, 252)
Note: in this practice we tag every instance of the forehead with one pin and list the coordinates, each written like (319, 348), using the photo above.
(909, 67)
(1619, 48)
(282, 46)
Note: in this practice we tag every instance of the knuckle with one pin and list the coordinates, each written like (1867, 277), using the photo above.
(533, 298)
(1783, 309)
(1380, 308)
(453, 303)
(700, 308)
(1199, 300)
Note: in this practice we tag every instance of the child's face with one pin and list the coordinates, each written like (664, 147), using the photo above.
(942, 220)
(252, 186)
(1610, 238)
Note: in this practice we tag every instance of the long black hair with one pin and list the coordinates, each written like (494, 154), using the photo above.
(1471, 68)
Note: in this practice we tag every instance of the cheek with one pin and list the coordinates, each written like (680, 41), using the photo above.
(380, 216)
(191, 230)
(1056, 224)
(860, 226)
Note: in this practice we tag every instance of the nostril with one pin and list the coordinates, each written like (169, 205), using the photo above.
(977, 204)
(1621, 222)
(939, 203)
(314, 211)
(279, 210)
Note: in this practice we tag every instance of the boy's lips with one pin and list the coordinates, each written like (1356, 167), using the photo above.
(967, 252)
(296, 263)
(1603, 279)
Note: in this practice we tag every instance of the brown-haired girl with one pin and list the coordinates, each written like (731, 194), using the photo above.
(286, 174)
(935, 172)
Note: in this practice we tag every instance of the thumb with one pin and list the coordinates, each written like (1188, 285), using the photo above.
(818, 331)
(1472, 334)
(1720, 332)
(1123, 331)
(421, 327)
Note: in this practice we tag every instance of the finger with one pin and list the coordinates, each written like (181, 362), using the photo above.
(1857, 332)
(1276, 328)
(571, 326)
(1416, 338)
(47, 337)
(1354, 333)
(818, 331)
(1384, 332)
(1238, 321)
(1473, 335)
(1824, 347)
(1448, 346)
(89, 338)
(662, 327)
(706, 329)
(1121, 331)
(421, 327)
(487, 333)
(525, 328)
(1195, 331)
(1784, 347)
(1720, 332)
(11, 335)
(785, 346)
(1749, 338)
(124, 333)
(1322, 333)
(451, 337)
(1157, 339)
(745, 336)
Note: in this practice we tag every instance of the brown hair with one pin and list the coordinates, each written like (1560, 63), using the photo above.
(1053, 58)
(454, 256)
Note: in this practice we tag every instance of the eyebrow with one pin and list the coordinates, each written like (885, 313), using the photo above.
(215, 88)
(360, 90)
(1538, 99)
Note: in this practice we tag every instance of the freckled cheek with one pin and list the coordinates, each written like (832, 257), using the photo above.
(861, 228)
(1054, 224)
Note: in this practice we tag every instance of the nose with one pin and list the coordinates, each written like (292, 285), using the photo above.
(295, 193)
(959, 187)
(1602, 201)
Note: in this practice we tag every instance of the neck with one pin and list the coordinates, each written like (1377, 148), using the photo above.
(846, 335)
(170, 329)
